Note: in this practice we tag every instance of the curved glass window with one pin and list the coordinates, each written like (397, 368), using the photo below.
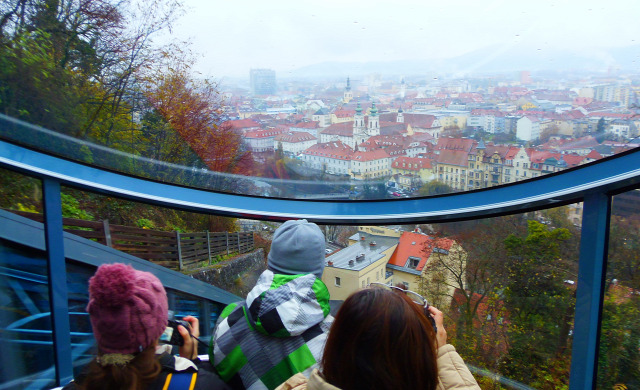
(366, 114)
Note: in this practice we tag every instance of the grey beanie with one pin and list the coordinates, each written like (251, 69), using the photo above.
(297, 248)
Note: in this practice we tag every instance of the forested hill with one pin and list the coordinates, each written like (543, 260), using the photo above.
(91, 70)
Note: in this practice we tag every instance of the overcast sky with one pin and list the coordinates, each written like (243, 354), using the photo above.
(235, 35)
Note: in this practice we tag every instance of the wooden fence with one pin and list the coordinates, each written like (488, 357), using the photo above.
(169, 249)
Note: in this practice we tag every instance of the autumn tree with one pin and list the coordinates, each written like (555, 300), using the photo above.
(470, 278)
(70, 66)
(434, 187)
(192, 108)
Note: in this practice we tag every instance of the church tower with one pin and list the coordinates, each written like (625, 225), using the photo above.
(348, 95)
(403, 89)
(374, 121)
(400, 117)
(359, 130)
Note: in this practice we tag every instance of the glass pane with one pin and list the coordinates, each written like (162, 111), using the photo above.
(619, 359)
(25, 323)
(324, 171)
(506, 286)
(83, 347)
(324, 115)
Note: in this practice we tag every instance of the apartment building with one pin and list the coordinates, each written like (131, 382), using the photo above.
(362, 262)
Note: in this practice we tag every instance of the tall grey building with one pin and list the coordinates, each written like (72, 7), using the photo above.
(263, 81)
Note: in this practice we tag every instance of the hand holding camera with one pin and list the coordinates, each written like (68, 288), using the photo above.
(184, 334)
(438, 318)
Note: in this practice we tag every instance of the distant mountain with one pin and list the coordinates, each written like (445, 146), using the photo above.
(493, 59)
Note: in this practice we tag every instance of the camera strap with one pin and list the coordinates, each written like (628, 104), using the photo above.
(180, 381)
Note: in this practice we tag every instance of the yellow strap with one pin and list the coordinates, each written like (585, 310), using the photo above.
(167, 381)
(193, 381)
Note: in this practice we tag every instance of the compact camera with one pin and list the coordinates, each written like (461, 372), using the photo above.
(432, 320)
(171, 334)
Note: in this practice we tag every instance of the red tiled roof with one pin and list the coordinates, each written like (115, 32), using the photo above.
(336, 150)
(594, 155)
(574, 114)
(417, 245)
(384, 140)
(422, 121)
(539, 157)
(501, 150)
(465, 144)
(343, 129)
(513, 150)
(306, 125)
(294, 137)
(453, 157)
(242, 124)
(421, 137)
(344, 113)
(375, 154)
(390, 128)
(411, 163)
(263, 133)
(572, 159)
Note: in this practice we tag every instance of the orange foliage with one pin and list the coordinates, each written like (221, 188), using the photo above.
(192, 108)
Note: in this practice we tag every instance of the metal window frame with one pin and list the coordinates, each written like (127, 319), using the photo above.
(593, 183)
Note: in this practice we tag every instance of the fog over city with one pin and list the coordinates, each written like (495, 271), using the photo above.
(288, 36)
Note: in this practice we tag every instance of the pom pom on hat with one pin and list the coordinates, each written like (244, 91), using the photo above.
(113, 285)
(128, 308)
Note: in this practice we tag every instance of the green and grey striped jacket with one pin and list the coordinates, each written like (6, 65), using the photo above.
(280, 330)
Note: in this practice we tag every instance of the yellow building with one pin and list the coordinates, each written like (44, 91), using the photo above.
(370, 164)
(452, 167)
(362, 262)
(451, 121)
(341, 116)
(412, 172)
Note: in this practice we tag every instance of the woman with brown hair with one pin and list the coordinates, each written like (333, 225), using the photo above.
(129, 314)
(383, 338)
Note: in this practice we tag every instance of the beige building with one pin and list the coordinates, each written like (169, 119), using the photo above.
(412, 172)
(362, 262)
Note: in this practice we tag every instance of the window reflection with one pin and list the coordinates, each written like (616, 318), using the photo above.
(619, 356)
(25, 323)
(410, 155)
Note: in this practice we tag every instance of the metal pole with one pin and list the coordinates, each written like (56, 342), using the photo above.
(179, 251)
(107, 232)
(594, 243)
(209, 246)
(57, 274)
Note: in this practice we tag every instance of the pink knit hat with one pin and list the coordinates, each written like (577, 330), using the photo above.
(128, 308)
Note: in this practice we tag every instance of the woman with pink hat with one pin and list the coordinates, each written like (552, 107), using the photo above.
(129, 314)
